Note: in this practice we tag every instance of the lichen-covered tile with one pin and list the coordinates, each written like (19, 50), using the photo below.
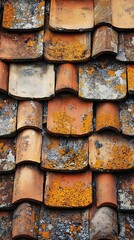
(33, 80)
(6, 190)
(7, 154)
(130, 76)
(23, 15)
(21, 46)
(28, 146)
(8, 112)
(126, 226)
(28, 184)
(67, 78)
(29, 115)
(123, 14)
(107, 116)
(3, 77)
(110, 152)
(68, 190)
(69, 115)
(104, 224)
(64, 154)
(69, 16)
(127, 117)
(126, 47)
(105, 40)
(67, 47)
(126, 191)
(102, 12)
(103, 79)
(5, 225)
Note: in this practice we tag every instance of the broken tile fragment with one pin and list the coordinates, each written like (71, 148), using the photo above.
(6, 190)
(3, 77)
(5, 225)
(33, 80)
(130, 75)
(102, 12)
(126, 225)
(127, 117)
(68, 190)
(126, 47)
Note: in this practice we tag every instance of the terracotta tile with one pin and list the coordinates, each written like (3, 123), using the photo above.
(126, 47)
(28, 184)
(105, 40)
(29, 115)
(67, 47)
(6, 225)
(25, 221)
(127, 117)
(45, 111)
(21, 46)
(65, 154)
(106, 193)
(130, 75)
(33, 80)
(126, 191)
(126, 226)
(69, 115)
(23, 15)
(107, 116)
(6, 190)
(67, 78)
(104, 224)
(8, 109)
(102, 12)
(68, 190)
(123, 14)
(29, 146)
(110, 152)
(103, 79)
(3, 77)
(69, 16)
(7, 154)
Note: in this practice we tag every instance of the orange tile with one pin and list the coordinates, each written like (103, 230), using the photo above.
(3, 77)
(29, 146)
(69, 115)
(28, 184)
(6, 190)
(29, 115)
(130, 73)
(68, 190)
(106, 193)
(67, 78)
(127, 117)
(102, 12)
(107, 116)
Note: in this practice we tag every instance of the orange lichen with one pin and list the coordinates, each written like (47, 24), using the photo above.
(40, 16)
(91, 70)
(120, 88)
(63, 122)
(131, 78)
(87, 123)
(111, 73)
(30, 43)
(8, 16)
(107, 120)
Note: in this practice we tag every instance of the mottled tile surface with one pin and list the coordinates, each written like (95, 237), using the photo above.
(130, 74)
(6, 190)
(5, 225)
(102, 12)
(126, 47)
(126, 226)
(127, 117)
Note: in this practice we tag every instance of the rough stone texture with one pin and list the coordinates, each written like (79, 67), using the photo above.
(126, 226)
(126, 47)
(130, 74)
(127, 117)
(6, 225)
(102, 11)
(6, 190)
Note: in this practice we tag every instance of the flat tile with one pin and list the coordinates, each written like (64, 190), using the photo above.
(36, 81)
(69, 115)
(64, 154)
(6, 190)
(3, 77)
(7, 154)
(110, 152)
(126, 226)
(21, 46)
(68, 190)
(103, 79)
(130, 74)
(127, 117)
(126, 47)
(23, 15)
(69, 16)
(5, 225)
(102, 12)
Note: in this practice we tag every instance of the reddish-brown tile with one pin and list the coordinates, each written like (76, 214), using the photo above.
(29, 115)
(102, 12)
(6, 190)
(68, 190)
(130, 75)
(127, 117)
(126, 226)
(5, 225)
(67, 78)
(28, 184)
(69, 115)
(3, 77)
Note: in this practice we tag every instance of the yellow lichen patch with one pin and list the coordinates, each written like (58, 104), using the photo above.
(8, 16)
(40, 16)
(91, 70)
(131, 78)
(62, 122)
(120, 88)
(87, 123)
(111, 73)
(74, 229)
(30, 43)
(105, 120)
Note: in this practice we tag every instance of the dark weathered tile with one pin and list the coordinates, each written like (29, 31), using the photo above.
(127, 117)
(6, 225)
(126, 226)
(6, 190)
(45, 112)
(130, 75)
(126, 47)
(102, 12)
(3, 77)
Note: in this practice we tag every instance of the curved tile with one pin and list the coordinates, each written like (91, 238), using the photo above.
(3, 77)
(102, 12)
(6, 190)
(130, 74)
(5, 225)
(127, 117)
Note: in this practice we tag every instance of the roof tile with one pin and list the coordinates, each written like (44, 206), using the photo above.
(3, 77)
(5, 225)
(127, 117)
(126, 226)
(130, 72)
(102, 12)
(6, 190)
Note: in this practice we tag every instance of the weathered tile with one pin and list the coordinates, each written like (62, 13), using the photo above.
(6, 190)
(105, 40)
(66, 47)
(110, 152)
(107, 116)
(126, 47)
(6, 225)
(130, 75)
(67, 78)
(127, 117)
(102, 12)
(103, 79)
(21, 46)
(28, 184)
(69, 115)
(7, 154)
(28, 146)
(8, 112)
(106, 193)
(36, 81)
(29, 115)
(123, 14)
(23, 14)
(45, 112)
(69, 16)
(126, 226)
(126, 191)
(3, 77)
(68, 190)
(64, 154)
